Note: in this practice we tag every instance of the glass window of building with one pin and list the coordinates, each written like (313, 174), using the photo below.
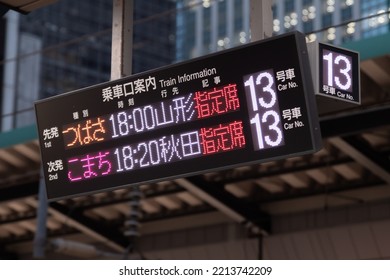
(327, 19)
(238, 29)
(290, 16)
(308, 16)
(375, 25)
(222, 9)
(276, 21)
(348, 30)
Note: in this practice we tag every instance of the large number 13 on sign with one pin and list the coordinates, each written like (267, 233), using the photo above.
(264, 112)
(339, 70)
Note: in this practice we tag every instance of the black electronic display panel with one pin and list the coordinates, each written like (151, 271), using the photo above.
(339, 73)
(246, 105)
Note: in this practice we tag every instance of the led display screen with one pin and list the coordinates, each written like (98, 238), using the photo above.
(339, 73)
(242, 106)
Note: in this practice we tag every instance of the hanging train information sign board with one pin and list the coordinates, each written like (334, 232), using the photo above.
(242, 106)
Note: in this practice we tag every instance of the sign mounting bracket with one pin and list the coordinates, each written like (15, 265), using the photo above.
(122, 38)
(261, 19)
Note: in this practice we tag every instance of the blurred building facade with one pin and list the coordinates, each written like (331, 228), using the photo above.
(224, 24)
(67, 46)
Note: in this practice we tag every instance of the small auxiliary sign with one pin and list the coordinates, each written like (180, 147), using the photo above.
(336, 72)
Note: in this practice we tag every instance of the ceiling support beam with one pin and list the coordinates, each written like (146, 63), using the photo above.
(364, 155)
(89, 227)
(85, 225)
(238, 210)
